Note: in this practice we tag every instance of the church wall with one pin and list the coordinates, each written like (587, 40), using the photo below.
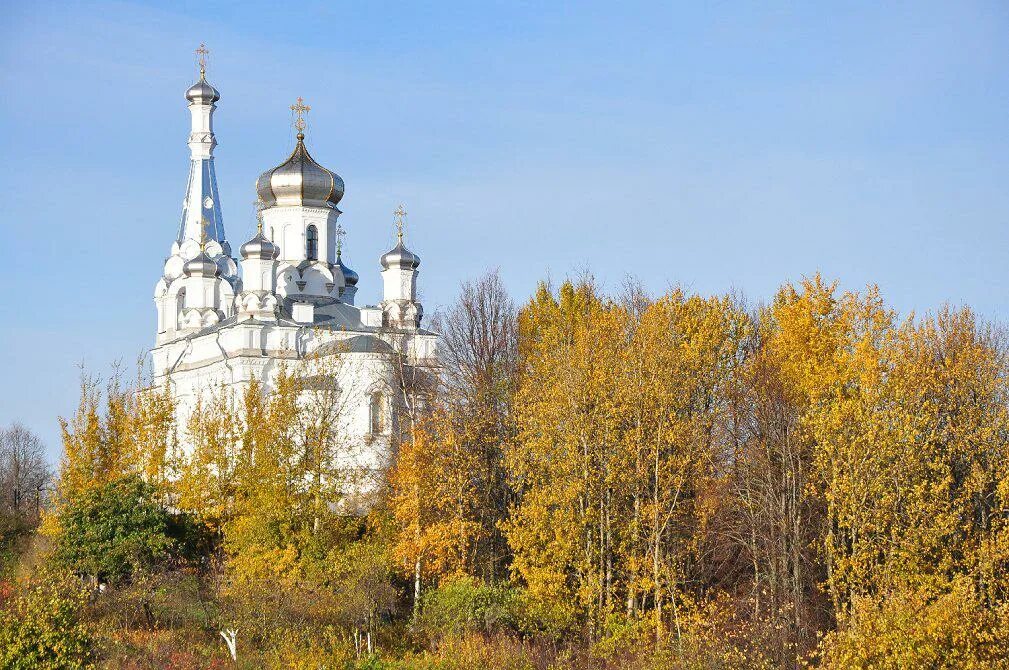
(359, 376)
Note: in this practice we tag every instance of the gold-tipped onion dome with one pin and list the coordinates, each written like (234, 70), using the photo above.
(260, 247)
(400, 257)
(300, 181)
(202, 92)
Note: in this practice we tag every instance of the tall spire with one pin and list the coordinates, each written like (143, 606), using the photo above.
(202, 201)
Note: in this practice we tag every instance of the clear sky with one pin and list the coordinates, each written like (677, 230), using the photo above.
(717, 145)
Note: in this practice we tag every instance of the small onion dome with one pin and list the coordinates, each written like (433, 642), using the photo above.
(400, 257)
(201, 265)
(349, 276)
(299, 180)
(202, 92)
(260, 247)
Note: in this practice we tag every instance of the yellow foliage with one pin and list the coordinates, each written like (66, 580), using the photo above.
(433, 499)
(908, 629)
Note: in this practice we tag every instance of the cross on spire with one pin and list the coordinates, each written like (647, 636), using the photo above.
(400, 215)
(299, 110)
(204, 224)
(201, 57)
(340, 233)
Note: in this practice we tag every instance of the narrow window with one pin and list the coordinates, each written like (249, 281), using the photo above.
(376, 413)
(312, 244)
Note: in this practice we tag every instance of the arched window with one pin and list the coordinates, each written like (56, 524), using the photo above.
(180, 303)
(312, 244)
(376, 414)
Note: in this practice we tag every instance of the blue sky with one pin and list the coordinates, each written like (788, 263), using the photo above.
(717, 145)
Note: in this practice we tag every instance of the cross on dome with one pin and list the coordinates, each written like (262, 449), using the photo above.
(340, 234)
(299, 110)
(259, 206)
(400, 257)
(201, 57)
(400, 214)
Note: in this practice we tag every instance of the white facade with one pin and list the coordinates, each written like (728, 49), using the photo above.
(291, 303)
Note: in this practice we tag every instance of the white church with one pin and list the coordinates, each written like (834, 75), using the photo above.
(222, 321)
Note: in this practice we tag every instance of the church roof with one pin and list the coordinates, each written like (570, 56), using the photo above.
(300, 180)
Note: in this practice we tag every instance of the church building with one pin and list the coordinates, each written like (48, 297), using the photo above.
(288, 297)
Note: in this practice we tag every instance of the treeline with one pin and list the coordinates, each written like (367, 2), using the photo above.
(596, 481)
(812, 480)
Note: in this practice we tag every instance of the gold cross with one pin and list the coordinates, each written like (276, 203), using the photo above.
(400, 213)
(203, 233)
(299, 109)
(260, 206)
(340, 232)
(201, 58)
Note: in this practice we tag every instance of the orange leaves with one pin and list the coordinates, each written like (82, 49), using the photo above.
(433, 499)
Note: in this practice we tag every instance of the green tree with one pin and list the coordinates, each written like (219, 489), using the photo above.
(109, 533)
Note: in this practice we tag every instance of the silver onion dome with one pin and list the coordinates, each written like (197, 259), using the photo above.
(201, 265)
(202, 92)
(260, 247)
(299, 180)
(350, 277)
(400, 257)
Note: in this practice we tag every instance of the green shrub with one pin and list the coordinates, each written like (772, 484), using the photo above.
(465, 605)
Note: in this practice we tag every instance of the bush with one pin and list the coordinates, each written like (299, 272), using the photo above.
(912, 630)
(465, 605)
(41, 628)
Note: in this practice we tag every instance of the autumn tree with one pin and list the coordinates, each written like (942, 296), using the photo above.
(564, 529)
(478, 356)
(674, 370)
(118, 429)
(434, 500)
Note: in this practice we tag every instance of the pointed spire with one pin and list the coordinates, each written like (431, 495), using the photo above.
(201, 200)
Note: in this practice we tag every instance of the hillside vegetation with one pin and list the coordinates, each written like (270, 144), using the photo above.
(598, 481)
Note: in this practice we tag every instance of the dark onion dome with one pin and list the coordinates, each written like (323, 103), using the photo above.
(400, 257)
(202, 92)
(349, 276)
(201, 265)
(299, 180)
(260, 247)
